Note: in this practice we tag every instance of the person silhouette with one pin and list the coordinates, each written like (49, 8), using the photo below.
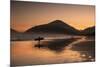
(39, 40)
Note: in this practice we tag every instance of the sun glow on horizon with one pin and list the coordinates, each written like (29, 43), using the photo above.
(25, 15)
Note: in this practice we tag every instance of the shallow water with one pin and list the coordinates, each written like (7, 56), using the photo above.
(54, 51)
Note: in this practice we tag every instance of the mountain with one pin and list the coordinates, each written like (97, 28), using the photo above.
(15, 35)
(89, 31)
(13, 31)
(56, 26)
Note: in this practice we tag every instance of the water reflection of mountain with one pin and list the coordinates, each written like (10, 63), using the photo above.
(65, 50)
(56, 45)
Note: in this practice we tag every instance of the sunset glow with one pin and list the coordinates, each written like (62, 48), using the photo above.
(25, 15)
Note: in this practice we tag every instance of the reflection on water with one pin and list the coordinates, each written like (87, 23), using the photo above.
(51, 51)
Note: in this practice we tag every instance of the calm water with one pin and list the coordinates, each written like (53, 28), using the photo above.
(54, 50)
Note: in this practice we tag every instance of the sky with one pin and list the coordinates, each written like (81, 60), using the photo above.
(25, 15)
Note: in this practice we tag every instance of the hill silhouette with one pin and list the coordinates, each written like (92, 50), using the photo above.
(13, 31)
(89, 31)
(56, 26)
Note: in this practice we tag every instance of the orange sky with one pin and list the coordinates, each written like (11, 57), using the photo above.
(25, 15)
